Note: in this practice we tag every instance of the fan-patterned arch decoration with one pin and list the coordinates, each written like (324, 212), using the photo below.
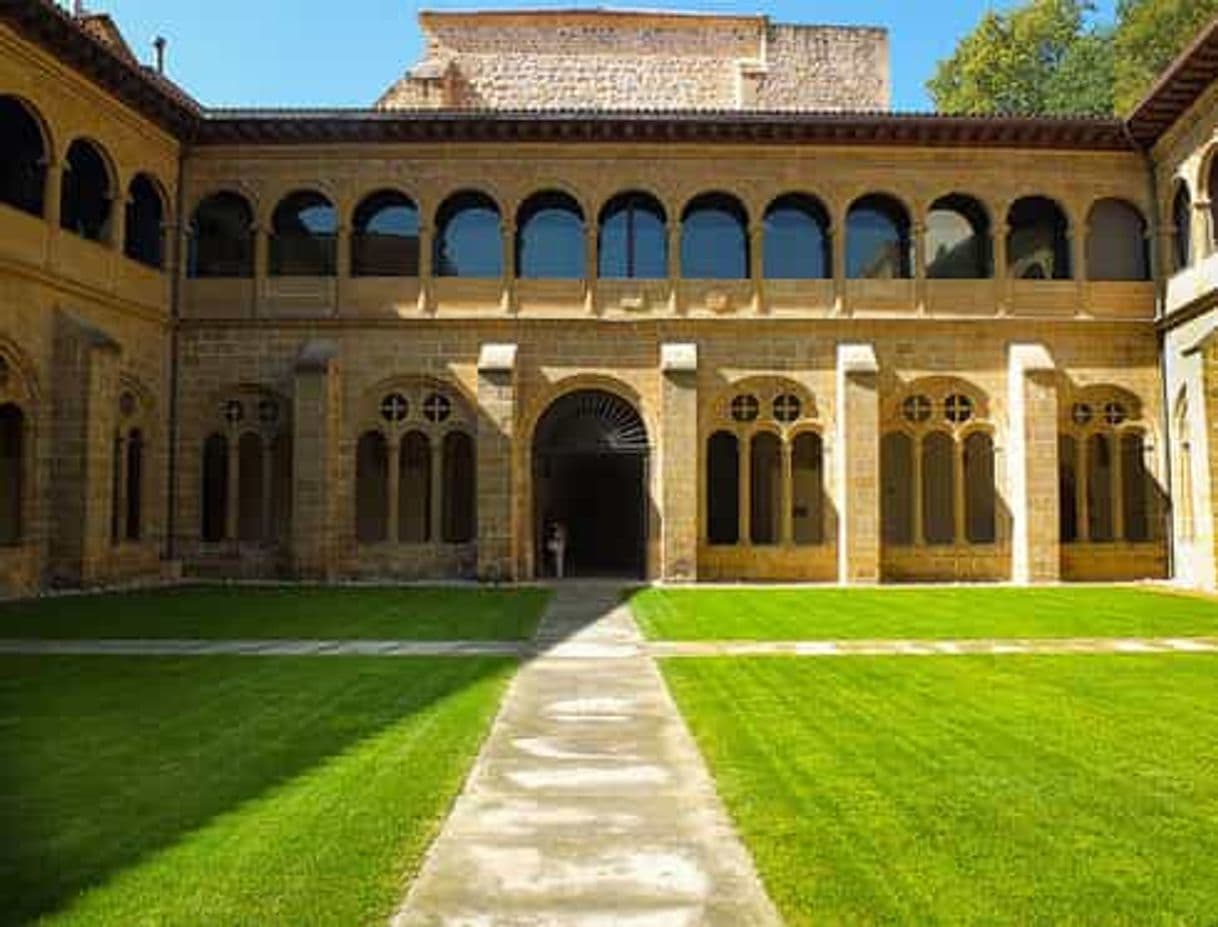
(591, 421)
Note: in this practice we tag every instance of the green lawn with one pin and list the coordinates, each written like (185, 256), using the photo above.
(919, 614)
(228, 790)
(409, 613)
(995, 790)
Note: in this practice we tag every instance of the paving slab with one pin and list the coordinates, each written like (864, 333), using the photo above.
(589, 803)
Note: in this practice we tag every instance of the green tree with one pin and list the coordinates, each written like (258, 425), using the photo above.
(1149, 35)
(1043, 57)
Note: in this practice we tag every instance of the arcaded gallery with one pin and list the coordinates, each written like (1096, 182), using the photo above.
(681, 287)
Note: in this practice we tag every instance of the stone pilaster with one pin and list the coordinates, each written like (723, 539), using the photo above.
(1032, 468)
(679, 462)
(316, 519)
(857, 453)
(496, 433)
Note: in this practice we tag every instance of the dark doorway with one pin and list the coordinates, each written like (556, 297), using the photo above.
(590, 456)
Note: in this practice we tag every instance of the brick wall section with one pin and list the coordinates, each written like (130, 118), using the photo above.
(642, 61)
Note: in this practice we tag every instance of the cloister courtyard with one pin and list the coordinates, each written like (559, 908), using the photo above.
(589, 753)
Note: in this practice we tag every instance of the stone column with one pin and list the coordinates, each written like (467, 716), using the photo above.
(342, 266)
(959, 497)
(674, 266)
(316, 518)
(1032, 465)
(268, 487)
(919, 266)
(591, 265)
(426, 248)
(393, 488)
(1082, 488)
(787, 521)
(119, 517)
(918, 502)
(497, 541)
(678, 462)
(509, 266)
(435, 531)
(232, 499)
(837, 240)
(757, 265)
(1117, 489)
(262, 260)
(744, 515)
(857, 450)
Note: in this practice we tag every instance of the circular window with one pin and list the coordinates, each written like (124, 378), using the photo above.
(126, 404)
(233, 411)
(746, 408)
(958, 409)
(437, 408)
(1114, 413)
(1081, 413)
(916, 409)
(394, 407)
(268, 411)
(787, 408)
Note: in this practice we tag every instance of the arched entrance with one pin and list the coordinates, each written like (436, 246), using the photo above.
(590, 457)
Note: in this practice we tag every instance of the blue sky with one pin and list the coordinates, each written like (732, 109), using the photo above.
(346, 52)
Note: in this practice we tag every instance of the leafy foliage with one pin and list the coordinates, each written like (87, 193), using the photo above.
(1150, 34)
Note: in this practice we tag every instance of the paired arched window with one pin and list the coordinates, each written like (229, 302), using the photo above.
(714, 238)
(247, 473)
(1105, 489)
(304, 231)
(550, 238)
(877, 239)
(768, 448)
(85, 207)
(1186, 519)
(1117, 246)
(145, 223)
(958, 240)
(130, 451)
(796, 244)
(415, 473)
(633, 238)
(12, 472)
(1182, 228)
(937, 472)
(469, 237)
(23, 157)
(222, 237)
(385, 236)
(1038, 240)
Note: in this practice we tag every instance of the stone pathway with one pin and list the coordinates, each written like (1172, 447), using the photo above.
(555, 645)
(589, 803)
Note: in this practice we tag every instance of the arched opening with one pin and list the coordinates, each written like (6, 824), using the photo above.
(85, 205)
(877, 239)
(958, 240)
(1038, 243)
(765, 488)
(807, 489)
(896, 478)
(1135, 487)
(1067, 488)
(134, 501)
(633, 238)
(215, 488)
(12, 472)
(457, 501)
(723, 489)
(145, 221)
(938, 488)
(714, 238)
(590, 457)
(23, 158)
(1182, 228)
(796, 244)
(550, 238)
(469, 237)
(385, 236)
(414, 489)
(980, 491)
(1099, 488)
(251, 488)
(222, 237)
(304, 232)
(1117, 247)
(371, 489)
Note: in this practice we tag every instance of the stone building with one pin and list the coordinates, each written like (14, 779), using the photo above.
(679, 283)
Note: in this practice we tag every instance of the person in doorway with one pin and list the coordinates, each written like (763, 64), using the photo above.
(558, 548)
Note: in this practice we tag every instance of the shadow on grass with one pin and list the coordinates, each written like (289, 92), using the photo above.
(107, 761)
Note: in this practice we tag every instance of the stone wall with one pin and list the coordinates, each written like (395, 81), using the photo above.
(602, 60)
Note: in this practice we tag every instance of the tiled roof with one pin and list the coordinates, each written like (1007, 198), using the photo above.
(1179, 88)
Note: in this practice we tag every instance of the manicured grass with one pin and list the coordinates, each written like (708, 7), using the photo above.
(213, 612)
(954, 790)
(920, 614)
(228, 790)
